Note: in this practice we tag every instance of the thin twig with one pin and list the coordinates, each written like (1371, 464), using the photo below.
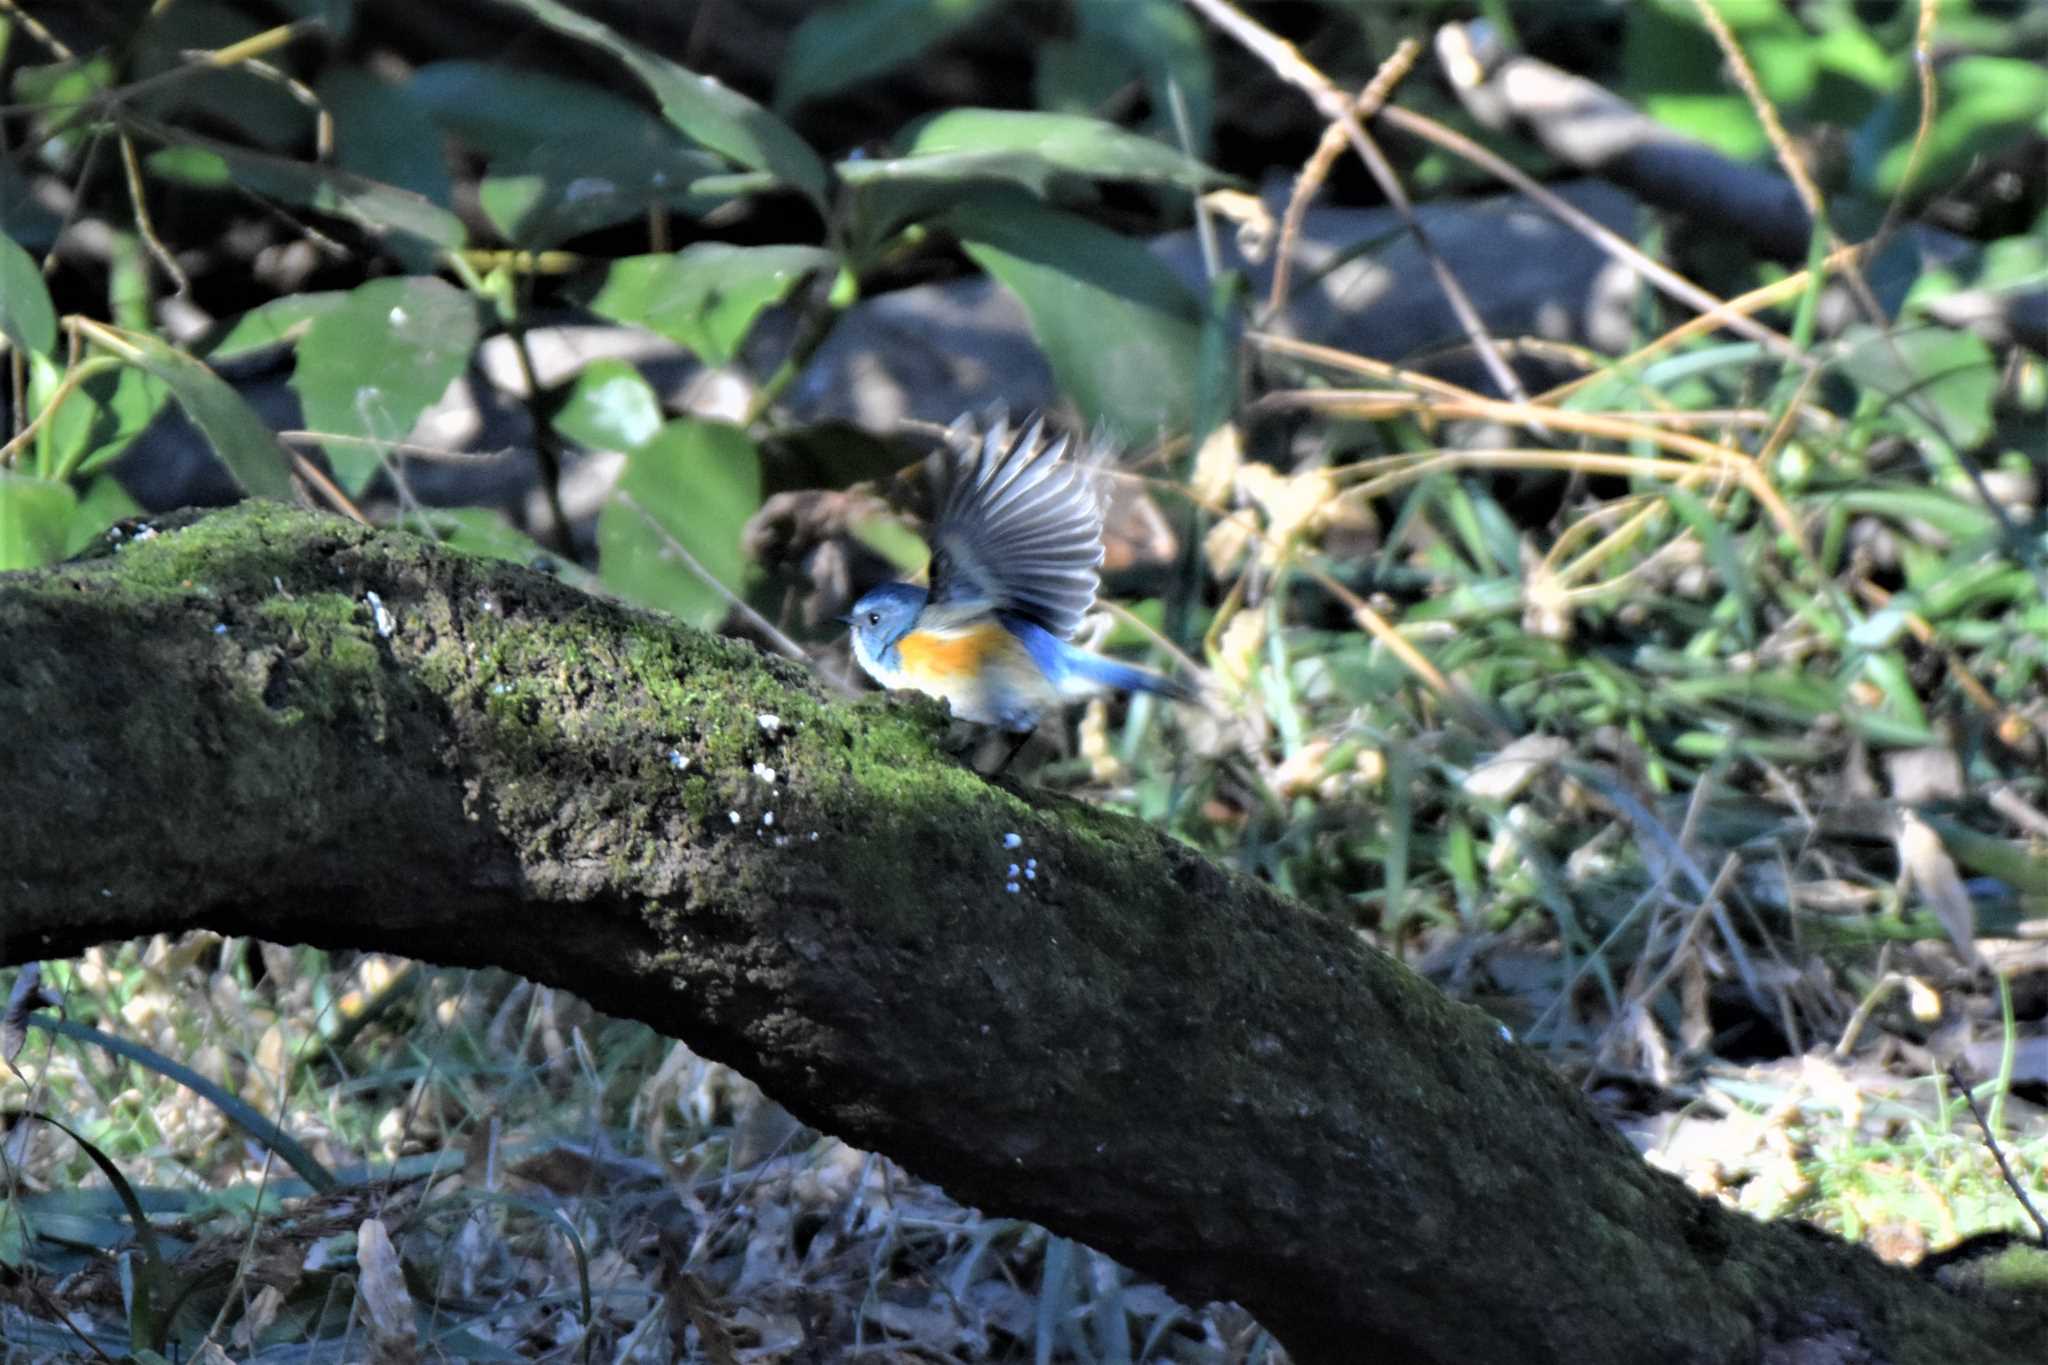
(1288, 64)
(38, 32)
(1656, 272)
(131, 168)
(314, 475)
(1923, 71)
(1955, 1078)
(1756, 300)
(410, 449)
(1766, 112)
(1317, 168)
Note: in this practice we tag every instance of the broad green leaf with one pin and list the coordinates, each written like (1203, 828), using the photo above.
(416, 229)
(503, 111)
(721, 118)
(1074, 143)
(1937, 384)
(1848, 49)
(26, 317)
(35, 519)
(568, 186)
(383, 132)
(844, 44)
(705, 296)
(955, 155)
(22, 215)
(245, 445)
(685, 496)
(369, 368)
(270, 324)
(1121, 331)
(609, 407)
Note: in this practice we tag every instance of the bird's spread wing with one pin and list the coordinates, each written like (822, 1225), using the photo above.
(1019, 526)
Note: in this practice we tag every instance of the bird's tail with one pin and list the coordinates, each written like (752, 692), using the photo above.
(1092, 673)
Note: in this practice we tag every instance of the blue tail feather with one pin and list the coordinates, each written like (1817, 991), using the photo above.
(1067, 665)
(1093, 668)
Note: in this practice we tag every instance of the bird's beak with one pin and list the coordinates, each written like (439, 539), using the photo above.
(845, 620)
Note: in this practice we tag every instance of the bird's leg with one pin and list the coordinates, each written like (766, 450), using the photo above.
(1023, 739)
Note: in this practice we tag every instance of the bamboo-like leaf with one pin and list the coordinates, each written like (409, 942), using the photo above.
(26, 317)
(706, 296)
(1123, 334)
(719, 117)
(248, 448)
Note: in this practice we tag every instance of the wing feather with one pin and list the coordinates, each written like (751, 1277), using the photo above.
(1019, 526)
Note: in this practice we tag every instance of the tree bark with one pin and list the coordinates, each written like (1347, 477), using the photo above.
(268, 722)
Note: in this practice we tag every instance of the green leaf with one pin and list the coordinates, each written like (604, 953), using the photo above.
(1121, 331)
(609, 407)
(562, 188)
(250, 1120)
(502, 111)
(1937, 384)
(685, 496)
(98, 421)
(275, 323)
(369, 368)
(17, 1236)
(1986, 104)
(35, 518)
(1029, 147)
(53, 91)
(844, 44)
(722, 119)
(151, 1282)
(245, 445)
(1961, 520)
(26, 316)
(416, 229)
(22, 215)
(706, 296)
(383, 132)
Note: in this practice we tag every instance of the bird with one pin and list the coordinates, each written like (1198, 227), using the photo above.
(1016, 548)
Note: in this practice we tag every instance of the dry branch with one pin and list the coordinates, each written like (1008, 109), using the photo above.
(273, 723)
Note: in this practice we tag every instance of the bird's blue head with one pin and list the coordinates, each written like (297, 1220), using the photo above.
(881, 618)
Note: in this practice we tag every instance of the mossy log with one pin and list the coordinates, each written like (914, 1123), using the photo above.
(268, 722)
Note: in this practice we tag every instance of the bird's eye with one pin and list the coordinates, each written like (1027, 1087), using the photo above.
(874, 618)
